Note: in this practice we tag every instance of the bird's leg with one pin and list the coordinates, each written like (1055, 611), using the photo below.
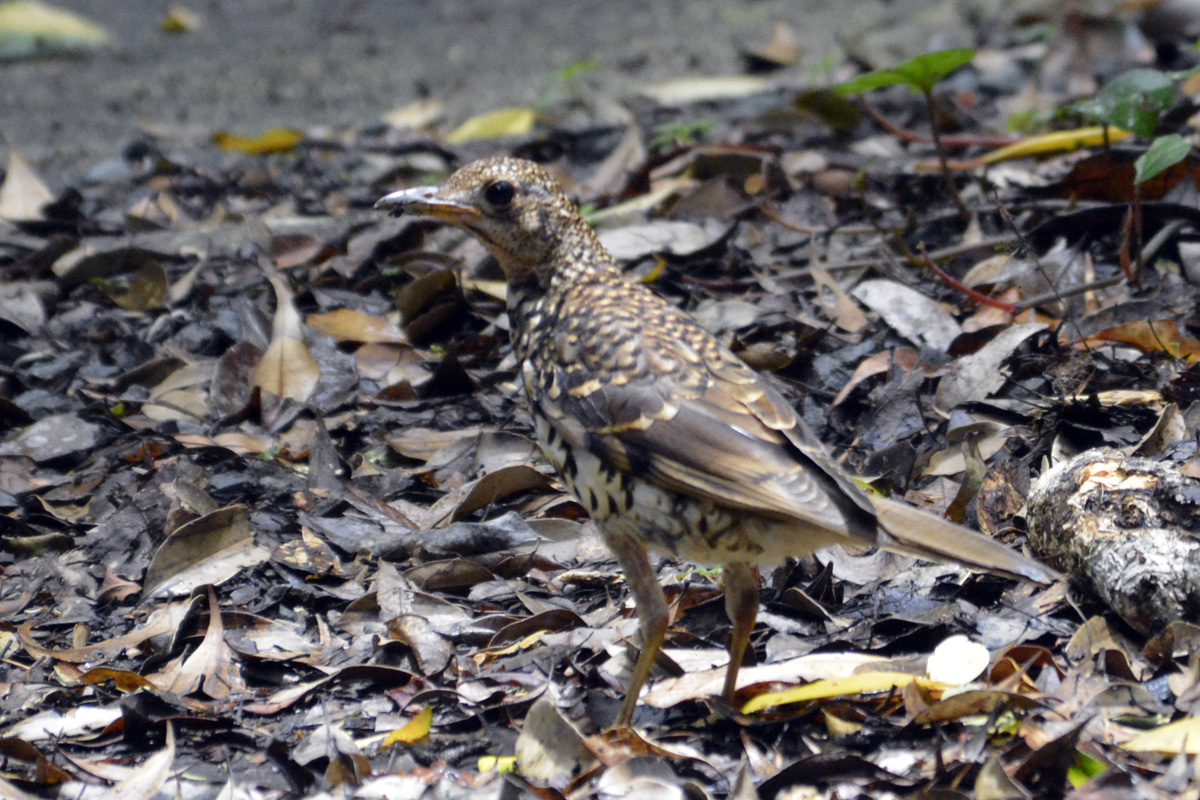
(651, 605)
(741, 604)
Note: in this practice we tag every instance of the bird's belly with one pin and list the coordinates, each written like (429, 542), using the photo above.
(631, 506)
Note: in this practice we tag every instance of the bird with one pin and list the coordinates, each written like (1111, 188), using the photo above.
(672, 443)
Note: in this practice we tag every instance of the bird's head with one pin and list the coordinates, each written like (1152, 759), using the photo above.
(513, 206)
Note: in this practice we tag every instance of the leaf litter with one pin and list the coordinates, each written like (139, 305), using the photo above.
(273, 518)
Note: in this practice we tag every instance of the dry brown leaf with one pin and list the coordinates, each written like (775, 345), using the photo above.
(150, 777)
(208, 549)
(23, 194)
(287, 369)
(348, 325)
(211, 666)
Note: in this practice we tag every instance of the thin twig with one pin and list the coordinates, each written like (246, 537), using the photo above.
(977, 296)
(1063, 294)
(953, 142)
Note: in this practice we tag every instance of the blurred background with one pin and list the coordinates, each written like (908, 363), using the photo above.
(183, 71)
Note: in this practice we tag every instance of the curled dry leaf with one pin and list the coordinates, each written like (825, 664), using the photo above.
(287, 369)
(979, 375)
(23, 195)
(211, 666)
(550, 750)
(148, 779)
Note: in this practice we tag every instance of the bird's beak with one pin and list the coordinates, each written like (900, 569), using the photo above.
(424, 200)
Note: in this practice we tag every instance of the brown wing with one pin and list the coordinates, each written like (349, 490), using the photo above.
(709, 427)
(693, 418)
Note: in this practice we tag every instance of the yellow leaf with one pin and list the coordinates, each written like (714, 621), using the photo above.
(485, 656)
(836, 687)
(28, 27)
(655, 272)
(180, 20)
(1178, 737)
(1057, 142)
(415, 730)
(500, 764)
(494, 125)
(274, 140)
(495, 289)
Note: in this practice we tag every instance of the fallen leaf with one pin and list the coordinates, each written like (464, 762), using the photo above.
(287, 369)
(273, 140)
(207, 550)
(23, 194)
(494, 125)
(348, 325)
(914, 316)
(31, 28)
(686, 91)
(957, 660)
(413, 731)
(1182, 736)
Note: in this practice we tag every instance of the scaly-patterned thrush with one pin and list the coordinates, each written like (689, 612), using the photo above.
(670, 441)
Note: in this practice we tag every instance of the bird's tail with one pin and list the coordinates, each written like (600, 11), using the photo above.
(919, 533)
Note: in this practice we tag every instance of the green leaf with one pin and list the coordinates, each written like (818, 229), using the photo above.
(1084, 769)
(679, 134)
(1132, 101)
(578, 69)
(920, 73)
(1163, 153)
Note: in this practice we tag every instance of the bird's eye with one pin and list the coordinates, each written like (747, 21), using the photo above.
(500, 193)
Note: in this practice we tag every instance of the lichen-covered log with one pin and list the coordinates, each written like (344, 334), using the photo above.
(1123, 528)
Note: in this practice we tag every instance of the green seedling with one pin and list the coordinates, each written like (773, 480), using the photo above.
(1163, 153)
(921, 74)
(1133, 101)
(674, 135)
